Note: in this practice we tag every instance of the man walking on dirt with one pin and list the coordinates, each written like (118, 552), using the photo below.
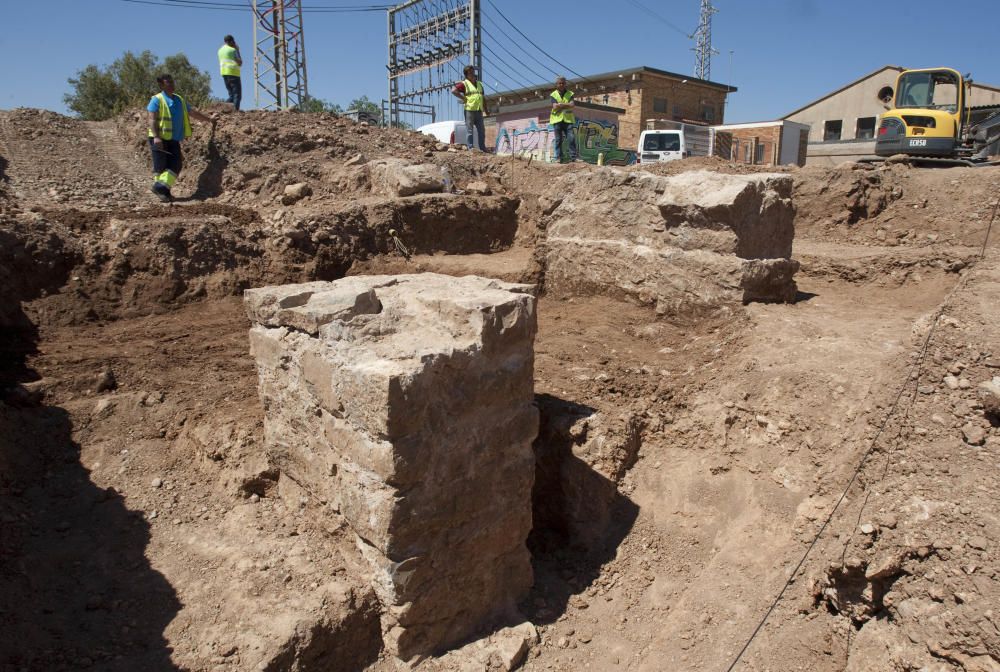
(229, 64)
(169, 124)
(470, 92)
(562, 119)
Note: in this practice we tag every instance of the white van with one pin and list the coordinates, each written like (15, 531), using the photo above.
(448, 132)
(672, 140)
(661, 146)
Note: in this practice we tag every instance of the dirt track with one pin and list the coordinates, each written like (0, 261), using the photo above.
(143, 528)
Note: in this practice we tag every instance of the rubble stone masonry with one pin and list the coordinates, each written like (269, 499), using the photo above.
(684, 243)
(406, 402)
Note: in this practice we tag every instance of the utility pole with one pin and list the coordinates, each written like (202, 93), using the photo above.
(430, 41)
(703, 48)
(279, 60)
(475, 38)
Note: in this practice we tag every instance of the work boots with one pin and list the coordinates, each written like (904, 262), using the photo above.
(162, 192)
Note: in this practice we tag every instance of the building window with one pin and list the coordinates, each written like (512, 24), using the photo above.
(678, 113)
(708, 112)
(748, 153)
(760, 153)
(832, 129)
(865, 129)
(660, 105)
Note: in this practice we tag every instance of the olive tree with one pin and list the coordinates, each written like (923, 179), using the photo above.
(101, 93)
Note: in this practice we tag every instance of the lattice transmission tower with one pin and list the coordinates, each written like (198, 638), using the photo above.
(279, 60)
(703, 42)
(430, 42)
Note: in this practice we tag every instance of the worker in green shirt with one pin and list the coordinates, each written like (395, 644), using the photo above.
(562, 119)
(229, 64)
(470, 92)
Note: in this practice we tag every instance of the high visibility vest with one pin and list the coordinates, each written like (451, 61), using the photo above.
(473, 96)
(562, 115)
(227, 60)
(165, 124)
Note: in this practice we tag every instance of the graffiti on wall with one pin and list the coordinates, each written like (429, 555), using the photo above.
(593, 137)
(530, 141)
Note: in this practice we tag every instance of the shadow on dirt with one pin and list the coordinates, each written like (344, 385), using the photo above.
(802, 297)
(210, 181)
(580, 517)
(76, 589)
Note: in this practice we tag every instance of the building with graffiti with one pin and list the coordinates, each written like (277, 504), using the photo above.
(524, 130)
(641, 93)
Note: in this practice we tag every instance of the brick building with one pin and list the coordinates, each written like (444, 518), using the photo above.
(767, 143)
(642, 93)
(524, 130)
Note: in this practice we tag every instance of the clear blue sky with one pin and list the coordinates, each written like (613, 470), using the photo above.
(785, 52)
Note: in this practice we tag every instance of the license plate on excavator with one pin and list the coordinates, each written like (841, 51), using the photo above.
(918, 142)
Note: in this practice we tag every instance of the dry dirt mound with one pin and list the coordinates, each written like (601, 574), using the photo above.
(252, 156)
(895, 204)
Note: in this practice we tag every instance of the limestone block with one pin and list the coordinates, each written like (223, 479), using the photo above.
(294, 193)
(407, 402)
(989, 393)
(683, 243)
(398, 177)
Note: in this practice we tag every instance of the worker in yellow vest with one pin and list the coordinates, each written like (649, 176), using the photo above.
(470, 92)
(169, 124)
(229, 64)
(562, 119)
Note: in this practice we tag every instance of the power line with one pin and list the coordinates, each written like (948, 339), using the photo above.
(517, 80)
(357, 7)
(660, 18)
(239, 7)
(532, 43)
(497, 73)
(518, 45)
(523, 64)
(167, 4)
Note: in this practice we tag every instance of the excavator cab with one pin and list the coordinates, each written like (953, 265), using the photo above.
(925, 118)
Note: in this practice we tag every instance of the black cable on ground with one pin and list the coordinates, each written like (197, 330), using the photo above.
(989, 228)
(912, 375)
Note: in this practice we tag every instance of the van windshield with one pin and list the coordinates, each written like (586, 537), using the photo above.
(662, 142)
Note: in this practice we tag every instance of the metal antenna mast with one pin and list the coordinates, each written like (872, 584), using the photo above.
(279, 59)
(703, 49)
(429, 42)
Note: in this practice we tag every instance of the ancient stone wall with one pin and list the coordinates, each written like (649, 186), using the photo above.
(683, 243)
(406, 402)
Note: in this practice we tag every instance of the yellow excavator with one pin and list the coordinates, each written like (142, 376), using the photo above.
(929, 118)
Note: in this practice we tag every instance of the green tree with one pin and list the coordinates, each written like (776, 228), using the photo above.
(101, 93)
(319, 105)
(370, 107)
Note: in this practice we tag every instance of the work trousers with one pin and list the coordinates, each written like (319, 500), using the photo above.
(564, 129)
(235, 88)
(167, 161)
(474, 120)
